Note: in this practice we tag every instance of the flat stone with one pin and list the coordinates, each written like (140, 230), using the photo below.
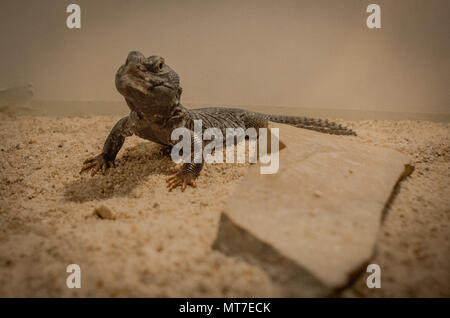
(312, 225)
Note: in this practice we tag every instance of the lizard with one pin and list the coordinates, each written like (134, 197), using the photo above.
(152, 91)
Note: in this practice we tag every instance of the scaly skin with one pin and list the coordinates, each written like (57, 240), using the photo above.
(152, 92)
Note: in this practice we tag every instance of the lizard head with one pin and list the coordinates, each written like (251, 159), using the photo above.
(147, 82)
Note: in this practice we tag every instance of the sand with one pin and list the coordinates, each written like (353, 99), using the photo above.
(157, 243)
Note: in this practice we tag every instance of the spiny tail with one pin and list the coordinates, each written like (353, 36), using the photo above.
(324, 126)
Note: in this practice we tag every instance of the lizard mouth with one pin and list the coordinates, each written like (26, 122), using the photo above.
(129, 84)
(167, 85)
(159, 93)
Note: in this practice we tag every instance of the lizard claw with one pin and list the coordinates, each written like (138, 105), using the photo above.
(182, 179)
(97, 164)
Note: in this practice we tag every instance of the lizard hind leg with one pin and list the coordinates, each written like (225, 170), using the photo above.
(186, 176)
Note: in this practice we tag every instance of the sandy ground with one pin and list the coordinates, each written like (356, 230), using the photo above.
(160, 242)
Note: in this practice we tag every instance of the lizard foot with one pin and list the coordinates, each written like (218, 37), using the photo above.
(97, 164)
(181, 178)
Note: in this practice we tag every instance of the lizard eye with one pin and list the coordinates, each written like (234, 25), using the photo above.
(160, 66)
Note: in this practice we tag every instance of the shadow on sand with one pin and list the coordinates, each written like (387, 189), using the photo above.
(132, 168)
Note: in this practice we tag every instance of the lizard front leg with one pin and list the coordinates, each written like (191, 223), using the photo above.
(113, 143)
(190, 170)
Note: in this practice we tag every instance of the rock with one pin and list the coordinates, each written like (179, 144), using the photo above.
(104, 213)
(313, 225)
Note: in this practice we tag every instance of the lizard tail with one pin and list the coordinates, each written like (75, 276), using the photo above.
(324, 126)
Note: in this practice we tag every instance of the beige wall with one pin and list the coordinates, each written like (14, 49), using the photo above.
(310, 53)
